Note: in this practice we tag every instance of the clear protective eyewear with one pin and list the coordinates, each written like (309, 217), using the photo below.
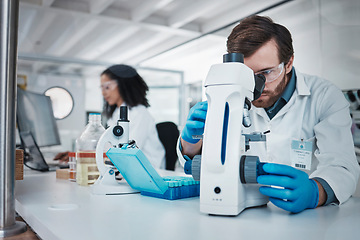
(273, 73)
(107, 86)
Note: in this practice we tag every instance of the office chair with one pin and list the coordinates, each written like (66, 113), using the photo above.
(168, 133)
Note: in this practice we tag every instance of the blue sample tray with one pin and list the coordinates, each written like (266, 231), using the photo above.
(178, 187)
(140, 175)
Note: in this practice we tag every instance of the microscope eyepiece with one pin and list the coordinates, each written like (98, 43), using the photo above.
(233, 57)
(123, 114)
(259, 85)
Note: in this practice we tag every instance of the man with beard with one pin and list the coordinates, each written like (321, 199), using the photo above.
(299, 111)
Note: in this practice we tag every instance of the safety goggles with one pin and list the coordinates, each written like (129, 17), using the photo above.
(273, 73)
(107, 86)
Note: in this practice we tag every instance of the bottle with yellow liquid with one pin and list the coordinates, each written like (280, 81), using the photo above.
(86, 168)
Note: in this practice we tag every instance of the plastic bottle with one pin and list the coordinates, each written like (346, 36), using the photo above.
(86, 168)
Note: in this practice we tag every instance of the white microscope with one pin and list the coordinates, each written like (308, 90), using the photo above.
(230, 87)
(116, 136)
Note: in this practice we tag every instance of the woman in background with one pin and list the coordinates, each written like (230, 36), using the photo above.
(121, 85)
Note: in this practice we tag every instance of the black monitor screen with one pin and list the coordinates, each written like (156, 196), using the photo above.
(35, 115)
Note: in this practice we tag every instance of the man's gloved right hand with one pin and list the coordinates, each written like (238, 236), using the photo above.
(195, 123)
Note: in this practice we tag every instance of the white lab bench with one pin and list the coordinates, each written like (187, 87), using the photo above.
(59, 209)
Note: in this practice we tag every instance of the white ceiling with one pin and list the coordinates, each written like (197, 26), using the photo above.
(84, 36)
(72, 36)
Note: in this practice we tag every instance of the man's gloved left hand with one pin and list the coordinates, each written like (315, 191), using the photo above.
(298, 193)
(195, 123)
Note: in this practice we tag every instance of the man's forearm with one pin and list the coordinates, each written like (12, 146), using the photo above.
(189, 149)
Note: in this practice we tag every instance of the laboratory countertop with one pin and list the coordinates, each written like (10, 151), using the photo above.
(60, 209)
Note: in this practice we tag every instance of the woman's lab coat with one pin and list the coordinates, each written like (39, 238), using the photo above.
(142, 129)
(317, 112)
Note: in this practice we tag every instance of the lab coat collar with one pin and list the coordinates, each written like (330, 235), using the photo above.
(301, 90)
(301, 87)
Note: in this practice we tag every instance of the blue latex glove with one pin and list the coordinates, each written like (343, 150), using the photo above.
(299, 191)
(195, 123)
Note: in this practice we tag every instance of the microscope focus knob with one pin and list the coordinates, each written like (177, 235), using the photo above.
(118, 131)
(250, 169)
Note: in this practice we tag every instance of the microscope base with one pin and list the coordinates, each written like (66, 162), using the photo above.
(232, 210)
(108, 185)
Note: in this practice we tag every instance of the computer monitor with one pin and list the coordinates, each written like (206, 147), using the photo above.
(37, 127)
(35, 114)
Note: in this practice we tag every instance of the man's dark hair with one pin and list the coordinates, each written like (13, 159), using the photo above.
(132, 87)
(254, 31)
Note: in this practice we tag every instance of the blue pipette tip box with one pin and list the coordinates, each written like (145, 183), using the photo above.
(140, 175)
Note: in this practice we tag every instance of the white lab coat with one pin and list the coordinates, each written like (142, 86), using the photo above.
(317, 112)
(142, 129)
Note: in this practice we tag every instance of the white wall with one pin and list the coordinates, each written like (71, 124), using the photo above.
(326, 36)
(93, 98)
